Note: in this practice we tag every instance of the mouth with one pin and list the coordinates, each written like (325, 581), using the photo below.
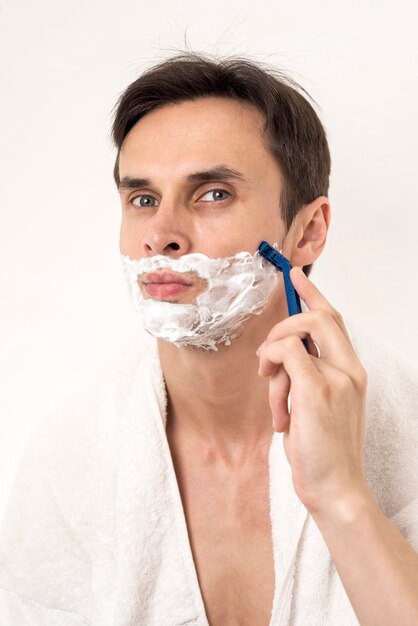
(163, 285)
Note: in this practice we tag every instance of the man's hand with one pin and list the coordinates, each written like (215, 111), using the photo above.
(323, 439)
(324, 431)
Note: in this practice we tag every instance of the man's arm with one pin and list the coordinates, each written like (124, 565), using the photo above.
(323, 439)
(377, 566)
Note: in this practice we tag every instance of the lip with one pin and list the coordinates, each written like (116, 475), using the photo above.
(161, 285)
(163, 278)
(165, 290)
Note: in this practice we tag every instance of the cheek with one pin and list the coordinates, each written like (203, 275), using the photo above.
(223, 233)
(129, 238)
(244, 233)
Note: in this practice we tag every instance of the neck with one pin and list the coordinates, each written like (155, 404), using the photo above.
(217, 398)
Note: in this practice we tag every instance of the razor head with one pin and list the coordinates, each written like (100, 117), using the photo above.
(274, 257)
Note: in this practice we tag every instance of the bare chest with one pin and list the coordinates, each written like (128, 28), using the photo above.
(229, 529)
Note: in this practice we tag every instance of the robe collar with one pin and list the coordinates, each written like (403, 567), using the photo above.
(157, 581)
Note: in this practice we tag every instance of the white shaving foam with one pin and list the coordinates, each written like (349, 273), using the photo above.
(237, 287)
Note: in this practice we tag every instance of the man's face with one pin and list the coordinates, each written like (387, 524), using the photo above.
(197, 177)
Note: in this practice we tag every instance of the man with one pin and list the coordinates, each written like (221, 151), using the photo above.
(184, 487)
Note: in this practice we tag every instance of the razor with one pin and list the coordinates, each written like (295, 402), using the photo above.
(272, 256)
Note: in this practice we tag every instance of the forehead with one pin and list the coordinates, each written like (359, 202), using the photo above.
(197, 133)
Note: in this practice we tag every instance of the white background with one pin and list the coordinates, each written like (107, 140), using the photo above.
(64, 304)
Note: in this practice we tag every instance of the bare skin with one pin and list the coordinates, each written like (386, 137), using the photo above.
(227, 514)
(221, 403)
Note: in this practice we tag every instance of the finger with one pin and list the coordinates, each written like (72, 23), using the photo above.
(320, 326)
(313, 298)
(290, 352)
(279, 388)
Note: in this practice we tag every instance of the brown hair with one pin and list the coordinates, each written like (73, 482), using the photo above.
(293, 131)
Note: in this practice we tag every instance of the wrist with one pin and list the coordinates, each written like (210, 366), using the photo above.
(346, 509)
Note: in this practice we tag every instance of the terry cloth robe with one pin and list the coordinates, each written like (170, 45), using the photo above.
(95, 531)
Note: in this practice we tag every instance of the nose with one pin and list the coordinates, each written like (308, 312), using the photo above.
(166, 234)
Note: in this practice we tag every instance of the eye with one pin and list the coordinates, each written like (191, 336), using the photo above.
(215, 195)
(144, 200)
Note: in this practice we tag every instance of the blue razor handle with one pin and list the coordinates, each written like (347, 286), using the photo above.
(283, 265)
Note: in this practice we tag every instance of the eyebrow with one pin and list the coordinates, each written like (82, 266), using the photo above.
(220, 172)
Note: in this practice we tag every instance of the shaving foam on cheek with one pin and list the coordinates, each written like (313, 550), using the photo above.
(237, 287)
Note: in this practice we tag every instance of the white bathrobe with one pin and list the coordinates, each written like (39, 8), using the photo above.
(95, 531)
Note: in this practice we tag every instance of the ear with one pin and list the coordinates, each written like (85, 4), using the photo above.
(308, 234)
